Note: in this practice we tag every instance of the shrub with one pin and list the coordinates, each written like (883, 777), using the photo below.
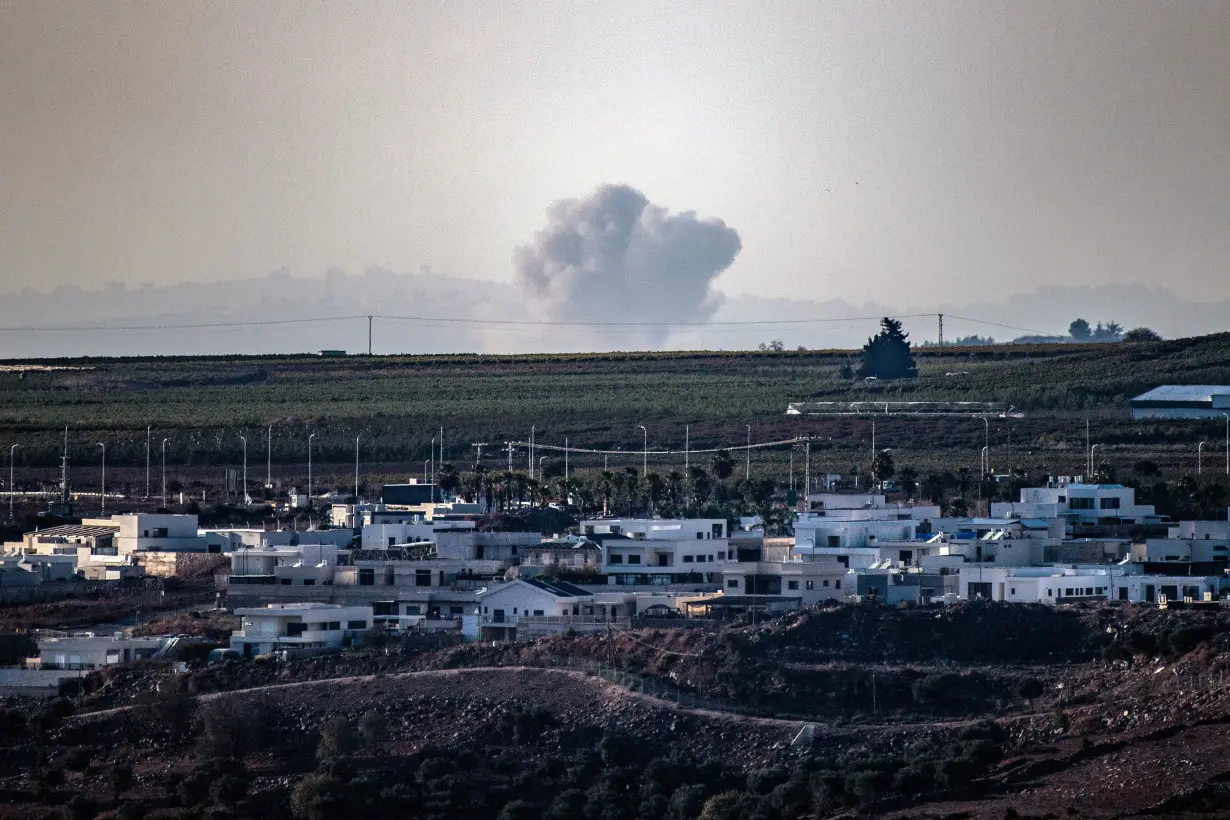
(519, 810)
(317, 797)
(120, 778)
(1029, 689)
(374, 729)
(78, 758)
(231, 728)
(337, 739)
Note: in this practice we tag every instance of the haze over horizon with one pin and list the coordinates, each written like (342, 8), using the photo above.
(958, 154)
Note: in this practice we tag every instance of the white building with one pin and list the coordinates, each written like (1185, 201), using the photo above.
(1183, 401)
(299, 629)
(658, 551)
(1079, 504)
(501, 606)
(414, 531)
(95, 652)
(812, 582)
(153, 532)
(1052, 585)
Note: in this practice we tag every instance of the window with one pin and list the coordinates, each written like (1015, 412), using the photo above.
(792, 585)
(837, 584)
(811, 584)
(1108, 503)
(700, 536)
(634, 559)
(454, 610)
(422, 577)
(367, 577)
(309, 582)
(687, 559)
(285, 582)
(320, 627)
(384, 608)
(356, 624)
(335, 626)
(295, 630)
(538, 612)
(1012, 590)
(514, 610)
(392, 541)
(1067, 592)
(412, 609)
(615, 558)
(1081, 504)
(733, 583)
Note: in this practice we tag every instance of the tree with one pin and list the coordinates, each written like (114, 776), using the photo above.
(723, 465)
(317, 797)
(1144, 467)
(887, 354)
(1141, 334)
(882, 466)
(1110, 332)
(1029, 689)
(908, 477)
(120, 778)
(374, 729)
(1079, 330)
(337, 739)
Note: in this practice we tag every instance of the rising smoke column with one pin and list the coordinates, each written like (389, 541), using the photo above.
(614, 256)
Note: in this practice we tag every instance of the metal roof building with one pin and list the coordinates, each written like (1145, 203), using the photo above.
(1183, 401)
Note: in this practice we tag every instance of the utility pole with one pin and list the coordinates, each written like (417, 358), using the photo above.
(566, 493)
(807, 472)
(529, 459)
(644, 451)
(1088, 452)
(164, 471)
(479, 445)
(508, 448)
(356, 465)
(369, 335)
(64, 470)
(148, 427)
(244, 440)
(269, 457)
(12, 450)
(103, 494)
(941, 317)
(687, 446)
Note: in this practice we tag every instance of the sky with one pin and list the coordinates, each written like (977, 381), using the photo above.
(908, 153)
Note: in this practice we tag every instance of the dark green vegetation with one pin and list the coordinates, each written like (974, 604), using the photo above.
(398, 403)
(887, 354)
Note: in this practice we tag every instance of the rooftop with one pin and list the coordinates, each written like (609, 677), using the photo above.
(1184, 393)
(77, 531)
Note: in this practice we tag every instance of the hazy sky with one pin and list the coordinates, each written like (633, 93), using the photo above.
(908, 153)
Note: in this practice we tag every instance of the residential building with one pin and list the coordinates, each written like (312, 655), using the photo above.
(501, 607)
(811, 582)
(660, 552)
(1079, 504)
(1052, 585)
(299, 628)
(568, 554)
(96, 651)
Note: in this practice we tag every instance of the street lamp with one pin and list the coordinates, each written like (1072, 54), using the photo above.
(541, 459)
(747, 456)
(1092, 447)
(269, 457)
(356, 468)
(103, 495)
(148, 428)
(244, 439)
(11, 451)
(986, 450)
(309, 493)
(164, 471)
(644, 450)
(1227, 418)
(1200, 457)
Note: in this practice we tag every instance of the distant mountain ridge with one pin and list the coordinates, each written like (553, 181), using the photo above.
(280, 297)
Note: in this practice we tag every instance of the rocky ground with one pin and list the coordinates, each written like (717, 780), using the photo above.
(909, 714)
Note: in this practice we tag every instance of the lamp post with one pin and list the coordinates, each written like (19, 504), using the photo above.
(245, 468)
(309, 493)
(565, 470)
(986, 449)
(1227, 417)
(356, 468)
(541, 459)
(432, 461)
(103, 494)
(164, 471)
(1200, 457)
(529, 461)
(747, 456)
(11, 451)
(148, 428)
(1092, 447)
(644, 450)
(269, 457)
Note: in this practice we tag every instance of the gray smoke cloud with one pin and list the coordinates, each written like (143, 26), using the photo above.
(614, 256)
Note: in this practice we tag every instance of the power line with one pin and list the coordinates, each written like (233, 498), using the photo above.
(1001, 324)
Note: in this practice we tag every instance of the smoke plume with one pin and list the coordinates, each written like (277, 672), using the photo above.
(613, 256)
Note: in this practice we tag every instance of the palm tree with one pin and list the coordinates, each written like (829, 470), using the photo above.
(606, 488)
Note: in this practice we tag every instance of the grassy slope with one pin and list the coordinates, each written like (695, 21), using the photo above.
(595, 399)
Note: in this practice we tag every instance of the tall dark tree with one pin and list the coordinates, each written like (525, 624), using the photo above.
(723, 465)
(1079, 330)
(1141, 334)
(887, 354)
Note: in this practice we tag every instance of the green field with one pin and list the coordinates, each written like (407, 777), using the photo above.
(396, 403)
